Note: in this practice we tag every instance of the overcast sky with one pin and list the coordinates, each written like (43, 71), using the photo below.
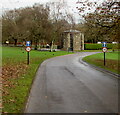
(11, 4)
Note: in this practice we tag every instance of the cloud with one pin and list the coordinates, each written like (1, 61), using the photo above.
(11, 4)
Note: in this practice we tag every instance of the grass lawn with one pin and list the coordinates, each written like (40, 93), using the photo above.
(112, 61)
(18, 76)
(93, 50)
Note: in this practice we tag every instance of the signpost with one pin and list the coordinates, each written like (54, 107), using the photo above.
(104, 44)
(28, 49)
(27, 43)
(104, 49)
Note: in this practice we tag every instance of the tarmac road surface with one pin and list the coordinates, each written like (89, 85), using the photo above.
(66, 84)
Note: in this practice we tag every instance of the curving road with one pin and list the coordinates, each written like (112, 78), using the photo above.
(66, 84)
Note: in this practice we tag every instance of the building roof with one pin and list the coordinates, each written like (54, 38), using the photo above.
(72, 31)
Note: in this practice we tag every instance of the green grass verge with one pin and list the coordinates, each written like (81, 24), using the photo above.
(15, 95)
(112, 61)
(93, 50)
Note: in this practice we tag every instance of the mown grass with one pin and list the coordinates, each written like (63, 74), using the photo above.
(18, 76)
(112, 61)
(109, 50)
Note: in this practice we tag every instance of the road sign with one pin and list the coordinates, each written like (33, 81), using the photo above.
(104, 44)
(27, 43)
(104, 49)
(28, 49)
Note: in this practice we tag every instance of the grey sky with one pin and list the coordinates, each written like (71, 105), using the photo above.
(11, 4)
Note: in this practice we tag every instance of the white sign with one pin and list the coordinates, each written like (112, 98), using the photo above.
(104, 49)
(98, 42)
(28, 49)
(7, 42)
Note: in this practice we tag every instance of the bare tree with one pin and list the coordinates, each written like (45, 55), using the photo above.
(60, 19)
(104, 18)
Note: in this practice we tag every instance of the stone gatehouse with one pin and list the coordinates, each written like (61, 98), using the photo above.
(72, 40)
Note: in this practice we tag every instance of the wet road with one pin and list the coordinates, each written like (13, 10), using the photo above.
(68, 85)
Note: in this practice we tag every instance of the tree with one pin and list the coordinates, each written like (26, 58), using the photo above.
(36, 23)
(105, 18)
(60, 20)
(26, 24)
(10, 29)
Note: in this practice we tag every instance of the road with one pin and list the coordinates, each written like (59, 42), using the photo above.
(66, 84)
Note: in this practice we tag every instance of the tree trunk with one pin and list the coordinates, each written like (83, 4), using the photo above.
(31, 42)
(36, 44)
(51, 47)
(15, 42)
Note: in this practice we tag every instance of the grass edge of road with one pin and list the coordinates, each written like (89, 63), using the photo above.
(109, 50)
(97, 60)
(16, 96)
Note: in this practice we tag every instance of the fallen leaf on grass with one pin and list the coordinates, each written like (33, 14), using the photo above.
(12, 100)
(1, 106)
(10, 75)
(4, 112)
(10, 72)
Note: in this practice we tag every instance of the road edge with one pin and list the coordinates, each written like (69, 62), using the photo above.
(103, 70)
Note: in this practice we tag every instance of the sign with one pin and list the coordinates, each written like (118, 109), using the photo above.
(27, 43)
(7, 42)
(28, 49)
(104, 44)
(104, 49)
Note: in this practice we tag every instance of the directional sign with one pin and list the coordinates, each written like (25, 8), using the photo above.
(104, 44)
(27, 43)
(28, 49)
(104, 49)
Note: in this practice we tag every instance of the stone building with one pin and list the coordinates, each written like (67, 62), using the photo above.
(72, 40)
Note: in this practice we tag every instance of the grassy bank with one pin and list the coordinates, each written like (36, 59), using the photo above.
(112, 61)
(18, 76)
(109, 50)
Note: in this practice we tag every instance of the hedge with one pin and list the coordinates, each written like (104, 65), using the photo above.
(94, 46)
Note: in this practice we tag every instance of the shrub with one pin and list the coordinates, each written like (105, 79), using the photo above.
(93, 46)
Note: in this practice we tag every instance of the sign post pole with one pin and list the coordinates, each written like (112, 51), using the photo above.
(28, 49)
(104, 58)
(104, 50)
(28, 61)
